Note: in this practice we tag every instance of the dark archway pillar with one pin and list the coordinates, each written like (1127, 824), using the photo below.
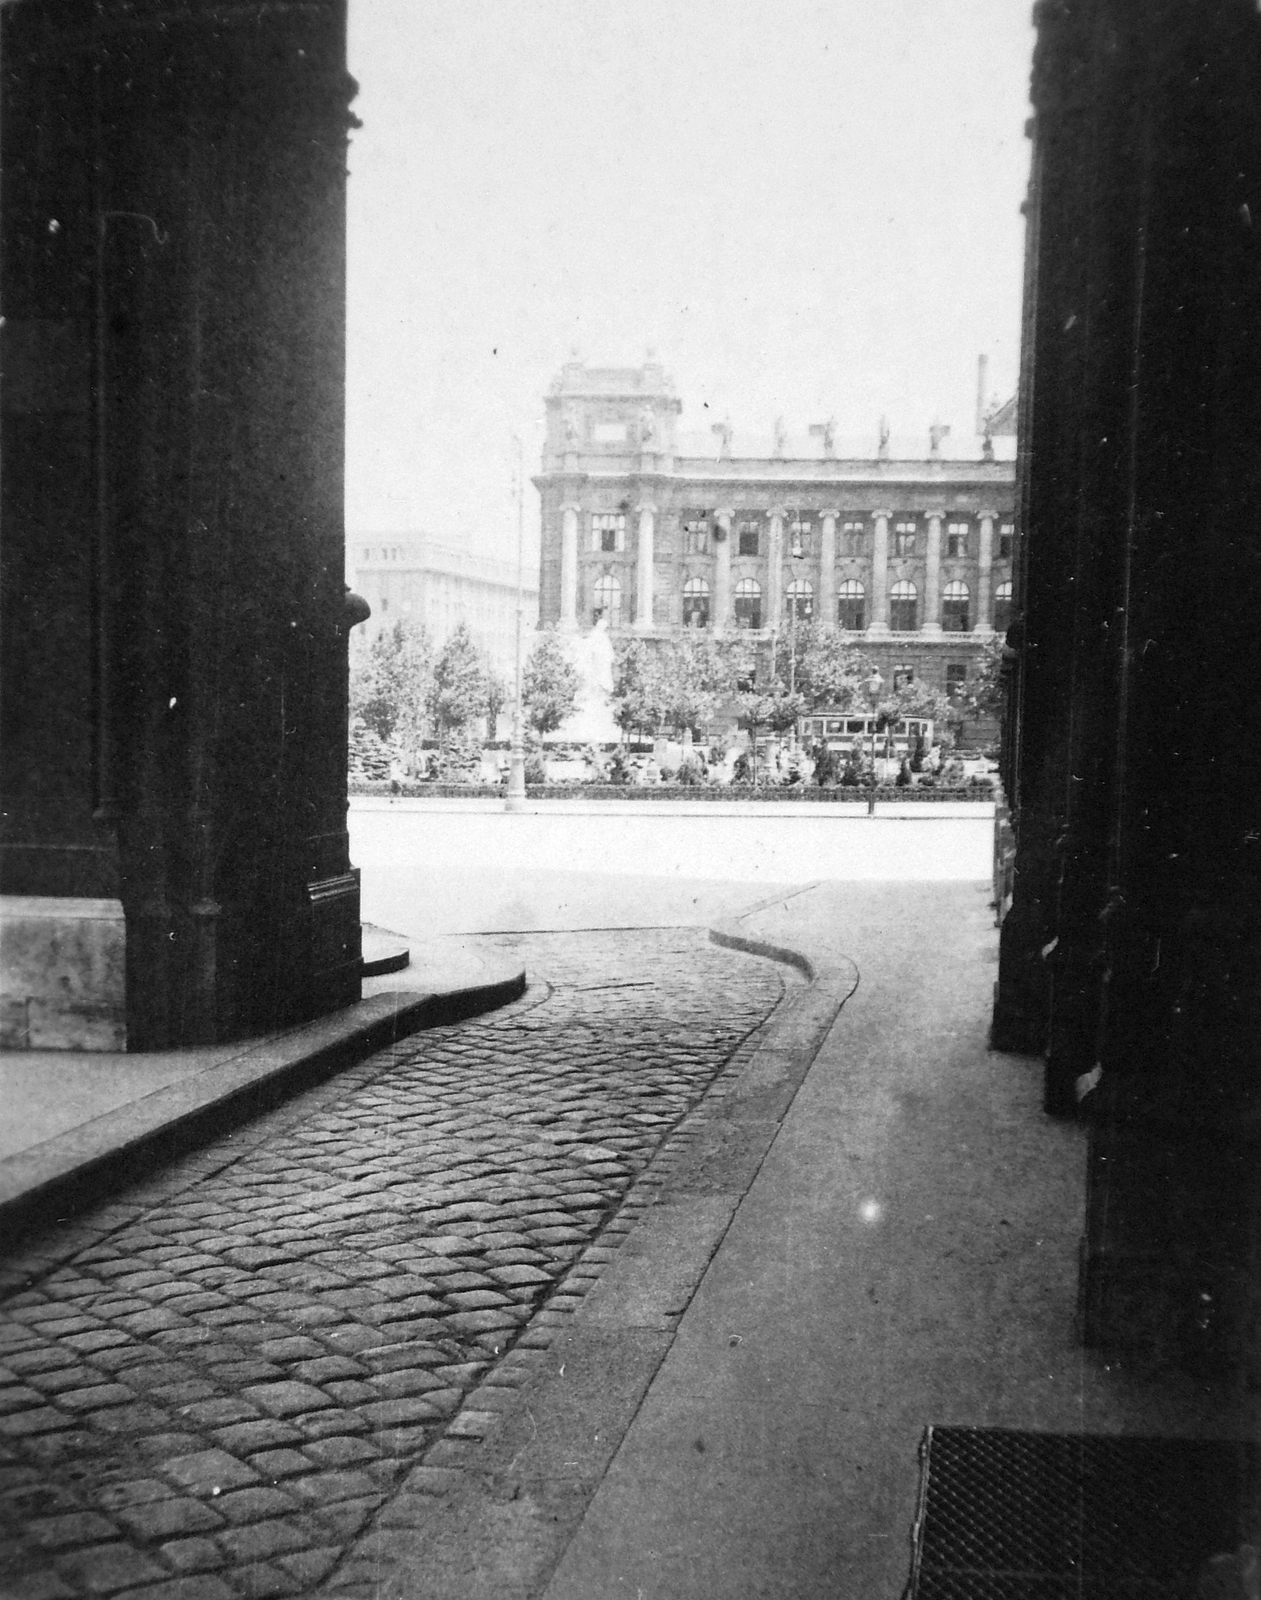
(174, 633)
(1134, 763)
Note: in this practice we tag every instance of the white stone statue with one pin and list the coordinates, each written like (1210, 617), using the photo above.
(592, 657)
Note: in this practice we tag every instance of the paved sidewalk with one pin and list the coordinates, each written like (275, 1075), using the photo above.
(78, 1122)
(211, 1384)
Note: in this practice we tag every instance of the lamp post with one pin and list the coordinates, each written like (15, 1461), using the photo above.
(873, 686)
(795, 554)
(515, 798)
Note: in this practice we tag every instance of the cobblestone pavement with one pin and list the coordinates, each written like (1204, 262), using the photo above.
(211, 1385)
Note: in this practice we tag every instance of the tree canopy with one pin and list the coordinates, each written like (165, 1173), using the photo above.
(390, 682)
(550, 685)
(829, 671)
(457, 691)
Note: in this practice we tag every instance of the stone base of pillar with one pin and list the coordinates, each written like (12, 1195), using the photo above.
(877, 631)
(62, 974)
(932, 630)
(1170, 1231)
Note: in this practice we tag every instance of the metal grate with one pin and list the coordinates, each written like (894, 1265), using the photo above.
(1044, 1516)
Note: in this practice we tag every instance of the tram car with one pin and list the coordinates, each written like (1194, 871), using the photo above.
(846, 733)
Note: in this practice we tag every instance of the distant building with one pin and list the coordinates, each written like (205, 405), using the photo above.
(438, 587)
(911, 555)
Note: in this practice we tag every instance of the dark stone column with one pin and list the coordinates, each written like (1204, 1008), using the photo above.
(174, 202)
(1135, 741)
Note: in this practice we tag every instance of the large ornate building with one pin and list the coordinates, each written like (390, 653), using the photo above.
(658, 532)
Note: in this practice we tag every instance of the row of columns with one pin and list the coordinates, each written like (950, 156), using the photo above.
(722, 598)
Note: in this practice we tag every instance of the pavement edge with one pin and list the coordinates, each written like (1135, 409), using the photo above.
(72, 1170)
(491, 1509)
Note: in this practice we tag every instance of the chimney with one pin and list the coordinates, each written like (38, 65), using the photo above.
(982, 365)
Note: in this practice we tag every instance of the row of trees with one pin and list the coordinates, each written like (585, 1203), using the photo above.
(403, 693)
(682, 684)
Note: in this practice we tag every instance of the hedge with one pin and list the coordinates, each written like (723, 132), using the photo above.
(668, 791)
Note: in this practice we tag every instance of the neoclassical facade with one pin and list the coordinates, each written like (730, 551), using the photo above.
(912, 557)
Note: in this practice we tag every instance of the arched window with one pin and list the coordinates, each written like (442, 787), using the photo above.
(902, 606)
(608, 599)
(799, 601)
(696, 603)
(748, 603)
(851, 605)
(1002, 607)
(954, 608)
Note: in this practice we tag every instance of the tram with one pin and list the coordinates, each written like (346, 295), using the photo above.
(846, 733)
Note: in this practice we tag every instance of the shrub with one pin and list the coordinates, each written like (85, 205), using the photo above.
(369, 754)
(742, 770)
(827, 767)
(851, 776)
(668, 774)
(692, 771)
(619, 768)
(903, 780)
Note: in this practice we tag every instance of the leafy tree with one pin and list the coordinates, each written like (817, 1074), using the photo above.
(917, 699)
(985, 693)
(677, 685)
(768, 706)
(457, 691)
(829, 670)
(389, 686)
(496, 699)
(638, 691)
(550, 685)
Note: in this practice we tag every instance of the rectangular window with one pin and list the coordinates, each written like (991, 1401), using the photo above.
(853, 539)
(696, 536)
(956, 539)
(956, 677)
(800, 534)
(1006, 534)
(904, 538)
(747, 532)
(902, 676)
(608, 532)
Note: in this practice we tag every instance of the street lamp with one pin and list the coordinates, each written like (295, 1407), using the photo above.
(873, 686)
(796, 553)
(515, 798)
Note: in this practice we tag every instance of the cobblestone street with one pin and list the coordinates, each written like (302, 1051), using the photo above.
(212, 1385)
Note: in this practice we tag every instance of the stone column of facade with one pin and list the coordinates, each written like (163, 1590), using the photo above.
(984, 575)
(722, 570)
(880, 574)
(931, 622)
(569, 565)
(643, 567)
(827, 572)
(775, 571)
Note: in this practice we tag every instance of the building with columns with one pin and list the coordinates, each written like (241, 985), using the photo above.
(911, 555)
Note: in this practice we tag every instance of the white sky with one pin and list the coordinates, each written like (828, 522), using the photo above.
(805, 206)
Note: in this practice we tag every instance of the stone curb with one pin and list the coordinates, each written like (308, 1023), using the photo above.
(520, 1462)
(64, 1174)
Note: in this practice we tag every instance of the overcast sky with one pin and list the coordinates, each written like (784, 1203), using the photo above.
(805, 208)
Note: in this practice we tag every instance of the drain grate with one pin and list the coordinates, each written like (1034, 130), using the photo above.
(1044, 1516)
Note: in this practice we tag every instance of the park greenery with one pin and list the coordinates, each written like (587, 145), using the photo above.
(425, 713)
